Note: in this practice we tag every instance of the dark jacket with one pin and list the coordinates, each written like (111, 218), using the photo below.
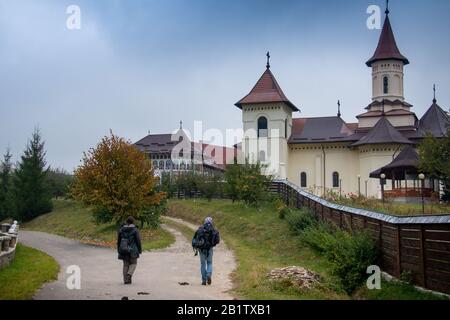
(131, 233)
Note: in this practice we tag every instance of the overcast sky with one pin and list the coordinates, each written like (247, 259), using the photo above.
(137, 66)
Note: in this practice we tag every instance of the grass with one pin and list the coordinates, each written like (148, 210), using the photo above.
(29, 270)
(73, 220)
(393, 208)
(261, 242)
(395, 290)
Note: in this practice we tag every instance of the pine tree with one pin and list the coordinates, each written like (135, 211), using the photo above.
(30, 191)
(5, 175)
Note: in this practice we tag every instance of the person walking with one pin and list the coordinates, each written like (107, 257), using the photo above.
(129, 248)
(203, 242)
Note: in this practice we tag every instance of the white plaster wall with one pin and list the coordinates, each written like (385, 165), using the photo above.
(393, 69)
(310, 159)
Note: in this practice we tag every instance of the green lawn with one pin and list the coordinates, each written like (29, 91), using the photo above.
(73, 220)
(262, 242)
(394, 208)
(29, 270)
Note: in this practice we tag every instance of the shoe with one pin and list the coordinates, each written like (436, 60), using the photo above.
(209, 280)
(128, 280)
(203, 283)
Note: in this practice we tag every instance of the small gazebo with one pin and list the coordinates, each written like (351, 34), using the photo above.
(404, 174)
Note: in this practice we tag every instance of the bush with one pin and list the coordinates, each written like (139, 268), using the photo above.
(248, 183)
(152, 215)
(102, 215)
(299, 220)
(350, 257)
(349, 254)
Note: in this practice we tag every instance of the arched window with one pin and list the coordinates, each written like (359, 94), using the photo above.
(262, 127)
(285, 129)
(168, 164)
(303, 181)
(335, 180)
(155, 164)
(161, 165)
(262, 156)
(385, 85)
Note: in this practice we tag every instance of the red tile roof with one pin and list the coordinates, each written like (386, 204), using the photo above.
(266, 90)
(387, 47)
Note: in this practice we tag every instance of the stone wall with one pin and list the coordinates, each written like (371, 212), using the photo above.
(8, 243)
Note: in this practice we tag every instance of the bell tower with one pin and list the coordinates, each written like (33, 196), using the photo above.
(267, 124)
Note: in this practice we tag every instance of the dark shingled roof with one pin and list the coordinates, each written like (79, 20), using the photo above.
(266, 90)
(156, 143)
(398, 112)
(387, 47)
(383, 132)
(434, 121)
(388, 102)
(325, 129)
(408, 159)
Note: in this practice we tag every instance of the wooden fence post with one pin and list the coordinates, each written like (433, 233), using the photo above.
(399, 252)
(423, 256)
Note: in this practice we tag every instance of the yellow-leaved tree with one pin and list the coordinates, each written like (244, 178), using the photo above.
(117, 180)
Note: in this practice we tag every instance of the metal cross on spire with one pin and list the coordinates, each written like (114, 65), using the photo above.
(268, 60)
(181, 125)
(434, 93)
(387, 7)
(339, 108)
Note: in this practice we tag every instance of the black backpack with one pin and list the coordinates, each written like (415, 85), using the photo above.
(205, 238)
(124, 246)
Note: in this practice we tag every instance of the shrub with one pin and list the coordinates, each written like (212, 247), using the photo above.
(349, 254)
(247, 182)
(299, 220)
(350, 257)
(102, 215)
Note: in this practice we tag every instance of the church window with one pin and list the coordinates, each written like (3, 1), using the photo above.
(385, 85)
(262, 127)
(285, 129)
(335, 180)
(303, 181)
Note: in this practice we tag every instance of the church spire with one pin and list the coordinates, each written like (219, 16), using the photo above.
(434, 94)
(387, 46)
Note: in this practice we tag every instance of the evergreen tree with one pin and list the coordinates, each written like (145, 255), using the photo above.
(31, 195)
(5, 175)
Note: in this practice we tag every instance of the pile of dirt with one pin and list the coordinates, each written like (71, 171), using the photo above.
(298, 276)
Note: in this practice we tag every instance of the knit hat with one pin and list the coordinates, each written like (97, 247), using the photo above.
(208, 220)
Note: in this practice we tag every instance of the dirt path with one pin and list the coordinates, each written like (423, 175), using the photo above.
(157, 276)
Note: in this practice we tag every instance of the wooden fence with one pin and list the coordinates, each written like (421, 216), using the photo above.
(420, 245)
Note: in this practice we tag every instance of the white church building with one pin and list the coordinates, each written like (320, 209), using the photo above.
(327, 154)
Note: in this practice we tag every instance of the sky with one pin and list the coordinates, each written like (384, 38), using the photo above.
(138, 66)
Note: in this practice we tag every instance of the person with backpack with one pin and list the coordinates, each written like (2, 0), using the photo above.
(129, 248)
(203, 242)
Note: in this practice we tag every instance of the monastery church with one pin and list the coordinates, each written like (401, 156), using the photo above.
(327, 154)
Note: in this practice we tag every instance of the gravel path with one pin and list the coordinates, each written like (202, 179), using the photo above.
(158, 274)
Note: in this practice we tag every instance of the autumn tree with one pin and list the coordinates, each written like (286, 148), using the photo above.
(117, 179)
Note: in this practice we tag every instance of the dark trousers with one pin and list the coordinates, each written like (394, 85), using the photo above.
(129, 266)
